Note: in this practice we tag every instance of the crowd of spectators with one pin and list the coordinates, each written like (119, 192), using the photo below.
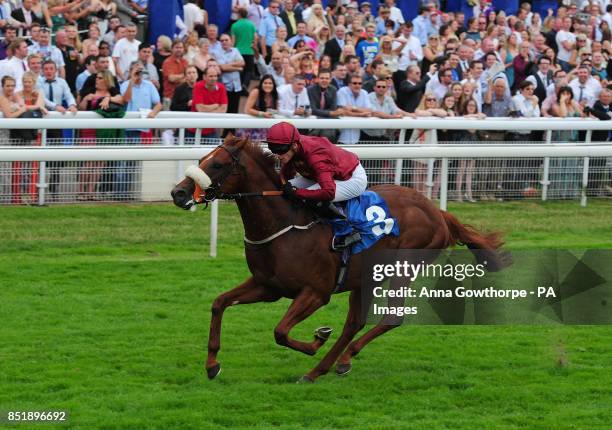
(297, 58)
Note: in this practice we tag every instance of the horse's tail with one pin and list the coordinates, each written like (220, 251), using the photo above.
(485, 246)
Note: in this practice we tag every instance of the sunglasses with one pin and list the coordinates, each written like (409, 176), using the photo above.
(382, 87)
(355, 83)
(278, 149)
(430, 100)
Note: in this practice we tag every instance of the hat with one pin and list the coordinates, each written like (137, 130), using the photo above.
(281, 136)
(366, 3)
(352, 5)
(583, 51)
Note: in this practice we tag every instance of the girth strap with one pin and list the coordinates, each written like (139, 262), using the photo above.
(280, 233)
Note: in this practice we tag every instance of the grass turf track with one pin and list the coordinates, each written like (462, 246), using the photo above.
(104, 312)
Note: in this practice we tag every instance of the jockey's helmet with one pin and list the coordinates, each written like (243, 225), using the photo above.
(281, 136)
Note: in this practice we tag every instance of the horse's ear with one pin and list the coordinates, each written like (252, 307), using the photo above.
(229, 137)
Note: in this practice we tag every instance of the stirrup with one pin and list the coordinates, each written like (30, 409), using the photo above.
(343, 242)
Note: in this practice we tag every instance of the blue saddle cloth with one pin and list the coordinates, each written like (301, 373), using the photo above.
(369, 215)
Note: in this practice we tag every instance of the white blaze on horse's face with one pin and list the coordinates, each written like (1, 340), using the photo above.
(199, 176)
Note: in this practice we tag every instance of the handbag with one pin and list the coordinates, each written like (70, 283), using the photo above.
(27, 134)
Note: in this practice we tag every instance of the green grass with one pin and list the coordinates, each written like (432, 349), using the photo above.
(104, 312)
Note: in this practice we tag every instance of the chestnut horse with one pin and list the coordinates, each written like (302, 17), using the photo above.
(297, 263)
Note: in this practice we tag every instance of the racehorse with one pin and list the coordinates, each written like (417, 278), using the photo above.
(288, 252)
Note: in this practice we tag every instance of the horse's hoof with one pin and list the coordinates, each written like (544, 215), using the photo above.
(214, 371)
(343, 369)
(305, 380)
(323, 333)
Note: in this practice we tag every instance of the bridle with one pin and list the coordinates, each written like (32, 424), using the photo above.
(213, 191)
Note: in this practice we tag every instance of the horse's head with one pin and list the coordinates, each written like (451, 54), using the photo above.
(220, 172)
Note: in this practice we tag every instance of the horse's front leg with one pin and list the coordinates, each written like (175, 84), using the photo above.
(304, 305)
(247, 292)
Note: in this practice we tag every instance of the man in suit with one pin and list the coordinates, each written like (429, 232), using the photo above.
(324, 103)
(25, 16)
(334, 46)
(412, 89)
(291, 18)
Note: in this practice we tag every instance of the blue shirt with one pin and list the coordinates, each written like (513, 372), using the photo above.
(421, 28)
(144, 96)
(81, 78)
(61, 92)
(291, 42)
(268, 26)
(366, 51)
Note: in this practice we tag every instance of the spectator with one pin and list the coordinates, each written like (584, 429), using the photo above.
(192, 15)
(70, 58)
(412, 52)
(431, 52)
(57, 94)
(10, 34)
(244, 36)
(324, 103)
(564, 172)
(301, 35)
(566, 42)
(367, 49)
(586, 88)
(110, 37)
(90, 69)
(17, 65)
(182, 98)
(35, 62)
(355, 102)
(275, 68)
(262, 103)
(231, 64)
(525, 104)
(173, 71)
(210, 96)
(421, 25)
(255, 12)
(48, 51)
(465, 170)
(89, 87)
(293, 98)
(542, 78)
(190, 43)
(339, 75)
(335, 45)
(267, 28)
(439, 84)
(382, 106)
(125, 51)
(25, 17)
(291, 18)
(411, 90)
(145, 58)
(497, 101)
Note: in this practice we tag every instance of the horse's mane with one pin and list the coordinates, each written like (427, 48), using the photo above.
(264, 159)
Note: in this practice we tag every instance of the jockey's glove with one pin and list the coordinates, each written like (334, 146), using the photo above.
(289, 192)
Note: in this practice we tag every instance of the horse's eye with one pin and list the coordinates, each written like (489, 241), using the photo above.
(217, 165)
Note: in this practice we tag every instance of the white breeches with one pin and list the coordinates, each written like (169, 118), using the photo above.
(345, 190)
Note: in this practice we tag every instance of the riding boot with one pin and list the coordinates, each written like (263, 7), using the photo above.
(326, 209)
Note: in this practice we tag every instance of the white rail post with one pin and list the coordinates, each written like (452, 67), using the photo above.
(546, 172)
(198, 136)
(180, 168)
(400, 162)
(585, 172)
(431, 163)
(444, 184)
(42, 171)
(214, 227)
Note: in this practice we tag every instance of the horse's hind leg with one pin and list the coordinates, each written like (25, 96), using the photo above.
(343, 366)
(247, 292)
(352, 326)
(304, 305)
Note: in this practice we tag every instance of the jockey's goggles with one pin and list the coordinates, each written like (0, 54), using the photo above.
(278, 149)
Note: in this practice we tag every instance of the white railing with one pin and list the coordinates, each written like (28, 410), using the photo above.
(397, 152)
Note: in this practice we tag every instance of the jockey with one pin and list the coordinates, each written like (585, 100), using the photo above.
(326, 173)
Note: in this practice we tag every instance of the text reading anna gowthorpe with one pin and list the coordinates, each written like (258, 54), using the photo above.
(475, 287)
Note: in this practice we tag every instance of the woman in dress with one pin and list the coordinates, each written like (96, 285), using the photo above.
(191, 47)
(565, 172)
(431, 51)
(512, 50)
(201, 59)
(389, 55)
(281, 41)
(465, 170)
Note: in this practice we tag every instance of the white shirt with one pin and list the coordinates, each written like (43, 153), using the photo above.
(478, 94)
(436, 87)
(543, 78)
(192, 15)
(15, 68)
(527, 109)
(126, 53)
(288, 101)
(564, 54)
(413, 45)
(241, 4)
(396, 15)
(590, 92)
(346, 97)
